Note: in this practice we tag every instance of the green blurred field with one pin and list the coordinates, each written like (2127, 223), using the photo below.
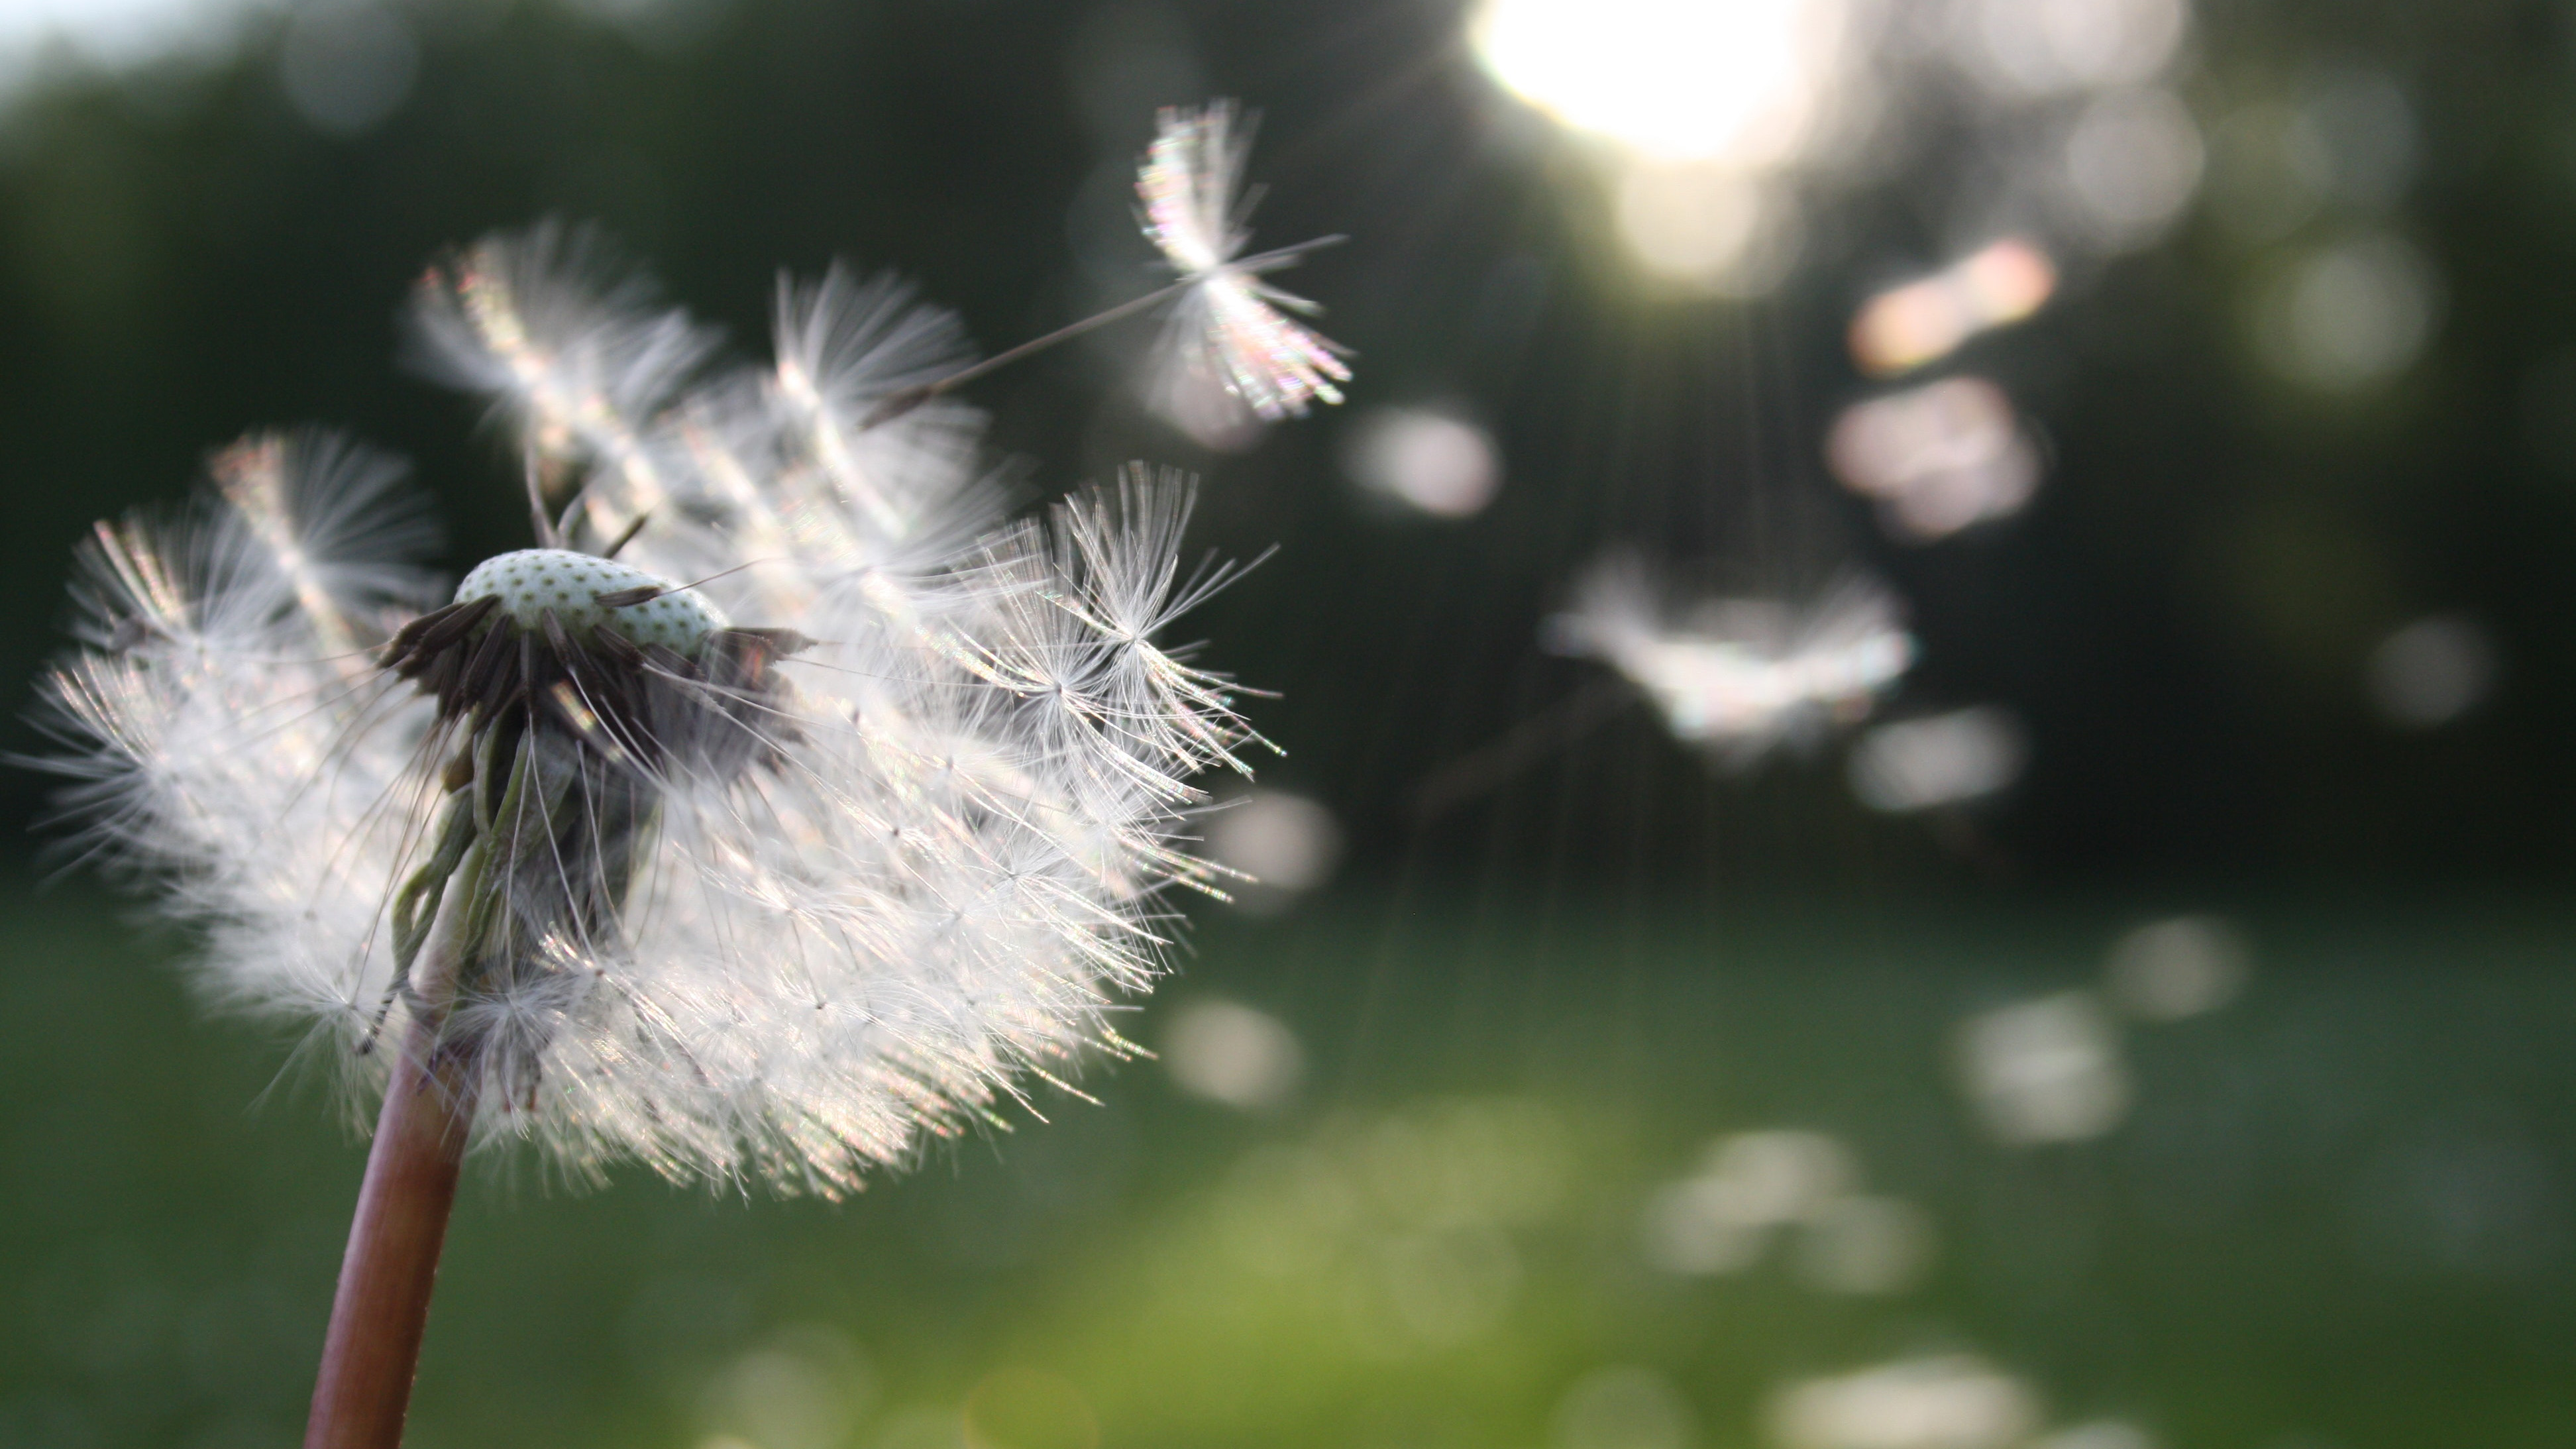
(2339, 1213)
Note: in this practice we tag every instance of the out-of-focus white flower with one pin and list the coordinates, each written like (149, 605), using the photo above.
(2177, 968)
(2046, 1070)
(1953, 1401)
(1230, 354)
(767, 900)
(1718, 1219)
(1864, 1245)
(1743, 674)
(2097, 1434)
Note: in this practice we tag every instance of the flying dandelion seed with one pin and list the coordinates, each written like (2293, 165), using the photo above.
(573, 858)
(1745, 675)
(1231, 355)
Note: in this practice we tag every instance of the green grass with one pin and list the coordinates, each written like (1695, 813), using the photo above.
(2341, 1207)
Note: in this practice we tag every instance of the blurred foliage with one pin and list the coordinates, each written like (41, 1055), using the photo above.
(2340, 1208)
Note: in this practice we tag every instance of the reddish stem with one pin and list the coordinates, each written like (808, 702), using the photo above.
(373, 1347)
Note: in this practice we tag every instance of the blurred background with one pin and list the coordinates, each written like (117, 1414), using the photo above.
(1926, 693)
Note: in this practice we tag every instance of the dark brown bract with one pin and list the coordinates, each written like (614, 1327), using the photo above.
(642, 704)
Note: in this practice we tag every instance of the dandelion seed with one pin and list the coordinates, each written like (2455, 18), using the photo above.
(1230, 351)
(567, 344)
(1228, 360)
(1743, 675)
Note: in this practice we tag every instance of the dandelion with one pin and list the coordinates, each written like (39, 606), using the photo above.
(1741, 676)
(786, 808)
(1230, 349)
(1228, 356)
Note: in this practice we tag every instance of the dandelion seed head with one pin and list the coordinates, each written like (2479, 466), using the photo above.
(585, 591)
(772, 876)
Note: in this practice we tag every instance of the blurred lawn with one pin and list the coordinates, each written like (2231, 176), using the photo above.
(2338, 1215)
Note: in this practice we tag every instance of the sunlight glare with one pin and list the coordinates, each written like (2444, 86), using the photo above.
(1738, 80)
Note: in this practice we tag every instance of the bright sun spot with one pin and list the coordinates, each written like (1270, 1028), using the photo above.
(1676, 79)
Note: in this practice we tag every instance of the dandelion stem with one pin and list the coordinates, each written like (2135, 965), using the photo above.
(373, 1347)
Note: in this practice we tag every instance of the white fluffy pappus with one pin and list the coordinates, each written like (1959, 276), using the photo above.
(870, 835)
(1738, 677)
(1230, 354)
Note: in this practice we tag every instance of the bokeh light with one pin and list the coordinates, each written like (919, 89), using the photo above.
(1942, 759)
(2046, 1070)
(112, 32)
(2345, 140)
(1952, 1401)
(1428, 459)
(806, 1386)
(347, 67)
(2349, 317)
(1938, 458)
(1235, 1054)
(2432, 671)
(2172, 969)
(1722, 1218)
(2038, 48)
(2133, 160)
(1904, 327)
(1286, 844)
